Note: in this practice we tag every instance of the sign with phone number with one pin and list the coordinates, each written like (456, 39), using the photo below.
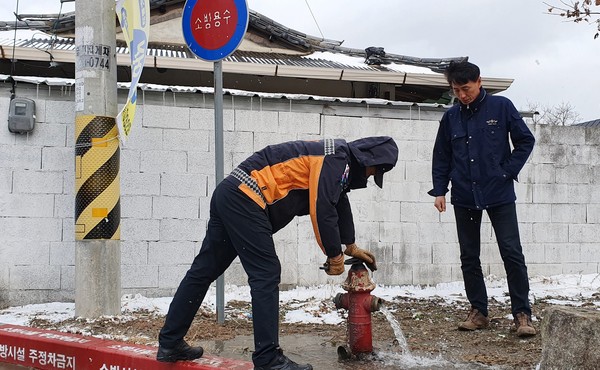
(93, 56)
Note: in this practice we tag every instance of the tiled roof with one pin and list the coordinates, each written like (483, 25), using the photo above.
(593, 123)
(183, 52)
(65, 24)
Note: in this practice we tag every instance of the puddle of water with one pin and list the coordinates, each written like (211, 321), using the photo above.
(321, 353)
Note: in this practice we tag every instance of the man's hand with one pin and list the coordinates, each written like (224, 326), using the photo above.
(367, 257)
(334, 265)
(440, 203)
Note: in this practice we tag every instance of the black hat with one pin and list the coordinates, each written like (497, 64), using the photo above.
(380, 152)
(381, 169)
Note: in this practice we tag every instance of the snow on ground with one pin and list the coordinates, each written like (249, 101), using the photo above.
(306, 301)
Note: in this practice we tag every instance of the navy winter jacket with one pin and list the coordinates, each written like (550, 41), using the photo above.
(472, 151)
(313, 177)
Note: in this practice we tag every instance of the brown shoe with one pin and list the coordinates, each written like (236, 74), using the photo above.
(524, 326)
(474, 321)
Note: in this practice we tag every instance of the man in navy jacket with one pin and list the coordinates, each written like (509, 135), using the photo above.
(473, 152)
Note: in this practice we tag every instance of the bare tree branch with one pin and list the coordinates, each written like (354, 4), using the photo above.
(579, 11)
(563, 114)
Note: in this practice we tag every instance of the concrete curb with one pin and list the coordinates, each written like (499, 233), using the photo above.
(47, 349)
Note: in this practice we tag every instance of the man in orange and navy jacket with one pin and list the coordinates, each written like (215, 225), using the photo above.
(261, 196)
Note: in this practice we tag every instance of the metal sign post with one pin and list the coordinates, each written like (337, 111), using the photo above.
(213, 29)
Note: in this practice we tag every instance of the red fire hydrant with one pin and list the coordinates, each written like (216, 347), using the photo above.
(360, 303)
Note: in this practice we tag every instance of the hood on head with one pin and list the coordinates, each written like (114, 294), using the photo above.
(377, 151)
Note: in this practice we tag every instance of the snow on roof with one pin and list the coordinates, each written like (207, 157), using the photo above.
(358, 62)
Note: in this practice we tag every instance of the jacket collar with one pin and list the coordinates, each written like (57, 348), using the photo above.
(474, 106)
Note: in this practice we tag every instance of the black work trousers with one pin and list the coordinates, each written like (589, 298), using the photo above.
(504, 222)
(237, 227)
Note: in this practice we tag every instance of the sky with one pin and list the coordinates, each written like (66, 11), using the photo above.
(552, 61)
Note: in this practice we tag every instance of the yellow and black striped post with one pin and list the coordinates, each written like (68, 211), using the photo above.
(97, 189)
(97, 199)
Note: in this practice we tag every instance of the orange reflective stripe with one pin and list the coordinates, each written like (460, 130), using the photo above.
(252, 195)
(316, 165)
(275, 182)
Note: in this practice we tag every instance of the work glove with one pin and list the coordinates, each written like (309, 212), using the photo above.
(334, 265)
(367, 257)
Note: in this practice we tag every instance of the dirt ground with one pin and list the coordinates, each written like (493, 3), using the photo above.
(429, 326)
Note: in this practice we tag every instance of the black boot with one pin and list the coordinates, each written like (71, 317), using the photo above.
(182, 351)
(281, 362)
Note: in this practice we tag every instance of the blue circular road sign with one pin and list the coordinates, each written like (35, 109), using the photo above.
(213, 29)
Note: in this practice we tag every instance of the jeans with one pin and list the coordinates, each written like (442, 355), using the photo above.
(237, 227)
(506, 228)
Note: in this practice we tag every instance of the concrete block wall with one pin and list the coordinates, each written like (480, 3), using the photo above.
(167, 177)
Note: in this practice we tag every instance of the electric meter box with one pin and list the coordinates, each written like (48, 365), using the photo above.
(21, 115)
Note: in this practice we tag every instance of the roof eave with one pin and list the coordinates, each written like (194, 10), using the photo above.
(277, 70)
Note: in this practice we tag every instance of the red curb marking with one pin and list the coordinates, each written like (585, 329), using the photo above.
(47, 349)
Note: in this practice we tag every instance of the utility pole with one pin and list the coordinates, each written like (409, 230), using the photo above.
(97, 163)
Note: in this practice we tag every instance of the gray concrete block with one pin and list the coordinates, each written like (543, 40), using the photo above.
(256, 121)
(45, 134)
(140, 184)
(59, 111)
(409, 253)
(35, 277)
(130, 162)
(584, 233)
(59, 159)
(299, 123)
(67, 280)
(188, 140)
(134, 253)
(62, 253)
(139, 229)
(171, 253)
(442, 253)
(183, 185)
(562, 252)
(20, 157)
(175, 207)
(204, 119)
(547, 232)
(159, 161)
(24, 253)
(145, 138)
(264, 139)
(580, 268)
(166, 117)
(567, 213)
(182, 229)
(31, 229)
(38, 182)
(143, 276)
(170, 276)
(26, 205)
(204, 163)
(431, 274)
(134, 206)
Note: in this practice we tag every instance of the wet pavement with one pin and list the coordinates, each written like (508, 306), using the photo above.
(5, 366)
(319, 352)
